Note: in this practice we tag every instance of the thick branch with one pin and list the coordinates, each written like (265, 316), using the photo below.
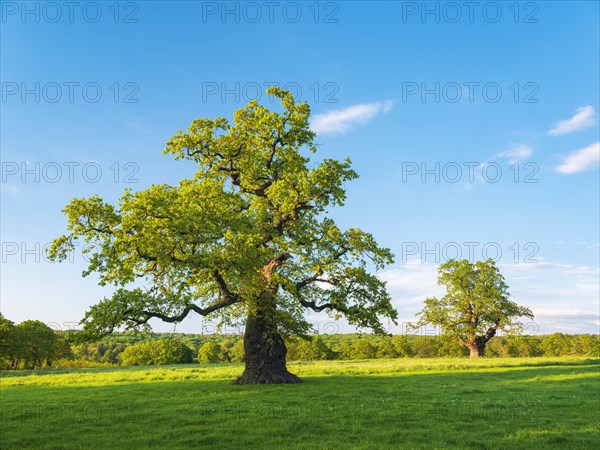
(319, 308)
(316, 275)
(268, 269)
(309, 280)
(190, 307)
(491, 332)
(222, 285)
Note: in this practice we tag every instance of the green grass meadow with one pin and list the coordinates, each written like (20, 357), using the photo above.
(521, 403)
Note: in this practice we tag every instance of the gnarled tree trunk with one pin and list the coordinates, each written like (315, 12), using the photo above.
(476, 347)
(265, 352)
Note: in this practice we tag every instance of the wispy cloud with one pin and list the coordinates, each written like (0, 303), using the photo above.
(137, 124)
(584, 117)
(544, 266)
(413, 278)
(517, 153)
(9, 189)
(585, 159)
(341, 121)
(553, 312)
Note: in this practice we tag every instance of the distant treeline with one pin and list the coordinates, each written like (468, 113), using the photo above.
(32, 344)
(184, 348)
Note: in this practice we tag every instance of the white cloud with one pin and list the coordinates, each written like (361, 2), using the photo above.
(412, 278)
(517, 153)
(343, 120)
(542, 265)
(136, 124)
(581, 160)
(584, 118)
(564, 311)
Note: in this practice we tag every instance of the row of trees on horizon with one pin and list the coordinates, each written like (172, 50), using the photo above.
(32, 344)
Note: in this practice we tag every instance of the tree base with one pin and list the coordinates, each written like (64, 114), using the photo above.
(267, 377)
(265, 353)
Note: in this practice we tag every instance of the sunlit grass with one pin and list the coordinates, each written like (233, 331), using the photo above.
(396, 403)
(381, 367)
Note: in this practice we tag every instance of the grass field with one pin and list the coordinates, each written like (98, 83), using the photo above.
(398, 403)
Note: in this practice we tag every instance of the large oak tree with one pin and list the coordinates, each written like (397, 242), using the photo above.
(247, 236)
(476, 304)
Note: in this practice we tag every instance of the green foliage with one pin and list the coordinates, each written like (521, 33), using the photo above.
(424, 347)
(310, 349)
(249, 228)
(172, 351)
(447, 345)
(498, 347)
(401, 346)
(138, 354)
(236, 352)
(159, 352)
(7, 341)
(210, 352)
(363, 349)
(30, 345)
(524, 346)
(385, 349)
(556, 344)
(586, 344)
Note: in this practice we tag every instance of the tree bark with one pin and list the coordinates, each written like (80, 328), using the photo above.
(265, 352)
(476, 347)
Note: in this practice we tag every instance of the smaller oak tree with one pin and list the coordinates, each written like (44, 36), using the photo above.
(475, 306)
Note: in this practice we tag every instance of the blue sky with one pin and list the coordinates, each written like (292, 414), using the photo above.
(428, 100)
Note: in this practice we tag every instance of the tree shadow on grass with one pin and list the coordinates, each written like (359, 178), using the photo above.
(533, 363)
